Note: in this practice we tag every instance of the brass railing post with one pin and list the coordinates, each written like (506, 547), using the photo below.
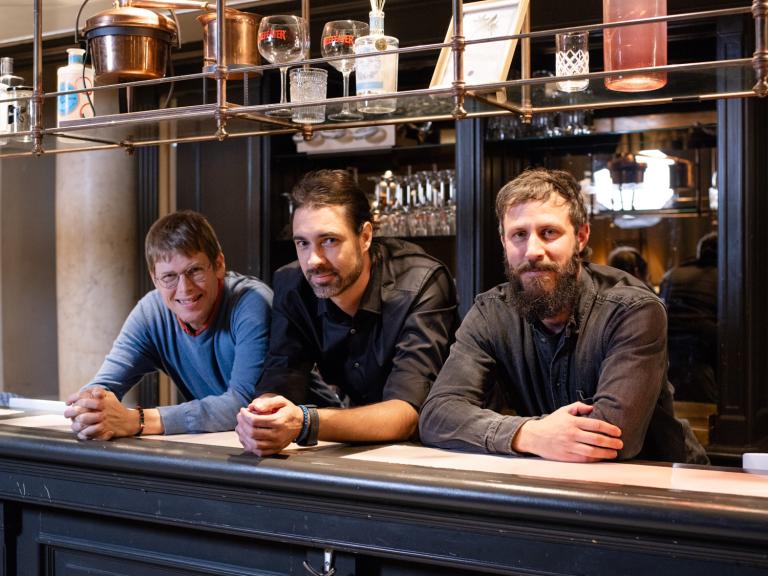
(221, 71)
(36, 103)
(525, 69)
(458, 46)
(760, 57)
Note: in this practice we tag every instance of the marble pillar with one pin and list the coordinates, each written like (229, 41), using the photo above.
(96, 258)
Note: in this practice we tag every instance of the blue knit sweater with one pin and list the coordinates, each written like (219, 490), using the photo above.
(216, 371)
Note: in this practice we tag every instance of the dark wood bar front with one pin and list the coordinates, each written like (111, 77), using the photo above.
(154, 507)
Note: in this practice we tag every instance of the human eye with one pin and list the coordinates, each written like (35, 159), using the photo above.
(330, 241)
(551, 233)
(196, 273)
(169, 279)
(300, 243)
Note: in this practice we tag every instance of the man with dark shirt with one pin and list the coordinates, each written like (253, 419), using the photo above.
(372, 319)
(690, 293)
(567, 360)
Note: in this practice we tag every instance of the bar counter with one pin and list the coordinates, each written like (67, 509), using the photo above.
(161, 507)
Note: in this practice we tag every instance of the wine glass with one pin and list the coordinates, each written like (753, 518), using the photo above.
(282, 40)
(338, 40)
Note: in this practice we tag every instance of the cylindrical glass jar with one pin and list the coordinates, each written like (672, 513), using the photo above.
(637, 46)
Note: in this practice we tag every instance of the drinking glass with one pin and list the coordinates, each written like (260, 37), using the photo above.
(282, 40)
(339, 40)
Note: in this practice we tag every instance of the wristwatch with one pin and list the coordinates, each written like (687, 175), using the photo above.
(313, 427)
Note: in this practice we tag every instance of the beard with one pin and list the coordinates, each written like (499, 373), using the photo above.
(534, 299)
(340, 281)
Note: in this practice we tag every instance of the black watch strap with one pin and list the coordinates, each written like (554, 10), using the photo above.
(313, 427)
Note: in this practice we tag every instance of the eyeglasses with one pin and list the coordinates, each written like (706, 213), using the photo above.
(194, 274)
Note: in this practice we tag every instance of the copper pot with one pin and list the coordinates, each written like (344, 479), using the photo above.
(241, 31)
(129, 43)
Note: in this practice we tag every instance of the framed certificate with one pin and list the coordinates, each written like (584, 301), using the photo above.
(490, 61)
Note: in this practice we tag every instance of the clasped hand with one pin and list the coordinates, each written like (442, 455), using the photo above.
(268, 424)
(568, 436)
(97, 414)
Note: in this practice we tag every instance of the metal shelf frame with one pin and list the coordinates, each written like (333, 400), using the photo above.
(698, 81)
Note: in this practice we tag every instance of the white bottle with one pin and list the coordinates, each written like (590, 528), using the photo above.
(376, 75)
(74, 76)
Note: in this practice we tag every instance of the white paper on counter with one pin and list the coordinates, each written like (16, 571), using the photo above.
(226, 439)
(47, 406)
(670, 477)
(51, 421)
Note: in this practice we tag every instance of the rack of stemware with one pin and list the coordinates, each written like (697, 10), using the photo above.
(697, 81)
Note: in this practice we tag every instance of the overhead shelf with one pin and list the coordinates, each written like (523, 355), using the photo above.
(691, 82)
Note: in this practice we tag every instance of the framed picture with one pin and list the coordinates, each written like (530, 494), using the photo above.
(490, 61)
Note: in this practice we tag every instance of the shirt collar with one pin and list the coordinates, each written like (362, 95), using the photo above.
(191, 331)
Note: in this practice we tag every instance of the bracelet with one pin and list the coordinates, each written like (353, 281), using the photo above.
(309, 431)
(304, 425)
(141, 420)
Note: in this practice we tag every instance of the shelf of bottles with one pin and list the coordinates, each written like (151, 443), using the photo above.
(695, 81)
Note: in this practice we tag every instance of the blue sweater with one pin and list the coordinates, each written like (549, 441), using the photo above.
(216, 371)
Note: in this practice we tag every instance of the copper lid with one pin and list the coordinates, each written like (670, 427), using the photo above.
(132, 17)
(230, 14)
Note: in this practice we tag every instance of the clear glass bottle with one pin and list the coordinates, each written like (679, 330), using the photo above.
(7, 80)
(376, 75)
(637, 46)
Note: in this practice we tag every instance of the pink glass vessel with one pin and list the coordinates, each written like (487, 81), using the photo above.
(637, 46)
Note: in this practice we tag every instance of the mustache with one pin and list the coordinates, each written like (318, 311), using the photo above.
(536, 267)
(319, 271)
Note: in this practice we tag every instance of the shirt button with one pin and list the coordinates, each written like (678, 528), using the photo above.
(353, 331)
(356, 364)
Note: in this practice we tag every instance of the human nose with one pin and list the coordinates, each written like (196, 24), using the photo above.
(315, 257)
(534, 249)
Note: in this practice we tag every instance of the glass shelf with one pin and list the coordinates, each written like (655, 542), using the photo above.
(692, 82)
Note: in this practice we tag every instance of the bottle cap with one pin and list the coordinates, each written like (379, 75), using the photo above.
(75, 55)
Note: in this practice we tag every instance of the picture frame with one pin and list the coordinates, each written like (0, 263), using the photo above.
(487, 62)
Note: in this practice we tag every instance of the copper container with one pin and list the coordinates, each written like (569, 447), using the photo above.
(241, 31)
(129, 43)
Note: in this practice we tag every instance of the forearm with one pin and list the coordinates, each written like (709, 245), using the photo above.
(391, 420)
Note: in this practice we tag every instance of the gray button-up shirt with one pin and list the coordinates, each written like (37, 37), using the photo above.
(612, 354)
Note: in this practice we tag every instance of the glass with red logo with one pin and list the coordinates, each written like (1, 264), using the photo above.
(283, 39)
(339, 40)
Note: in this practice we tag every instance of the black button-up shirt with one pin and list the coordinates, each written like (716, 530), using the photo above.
(392, 348)
(611, 353)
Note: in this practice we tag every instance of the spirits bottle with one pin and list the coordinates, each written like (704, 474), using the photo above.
(7, 80)
(376, 75)
(74, 76)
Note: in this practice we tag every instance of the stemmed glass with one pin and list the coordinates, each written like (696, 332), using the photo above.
(282, 40)
(338, 40)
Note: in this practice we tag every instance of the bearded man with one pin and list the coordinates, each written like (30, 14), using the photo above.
(357, 322)
(567, 360)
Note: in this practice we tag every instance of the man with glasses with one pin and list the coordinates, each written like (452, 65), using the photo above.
(369, 318)
(206, 328)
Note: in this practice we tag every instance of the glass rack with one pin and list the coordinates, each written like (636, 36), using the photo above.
(690, 82)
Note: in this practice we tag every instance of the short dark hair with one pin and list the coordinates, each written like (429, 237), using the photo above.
(539, 184)
(630, 260)
(706, 249)
(324, 188)
(186, 232)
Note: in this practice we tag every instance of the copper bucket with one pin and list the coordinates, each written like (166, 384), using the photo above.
(241, 31)
(129, 43)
